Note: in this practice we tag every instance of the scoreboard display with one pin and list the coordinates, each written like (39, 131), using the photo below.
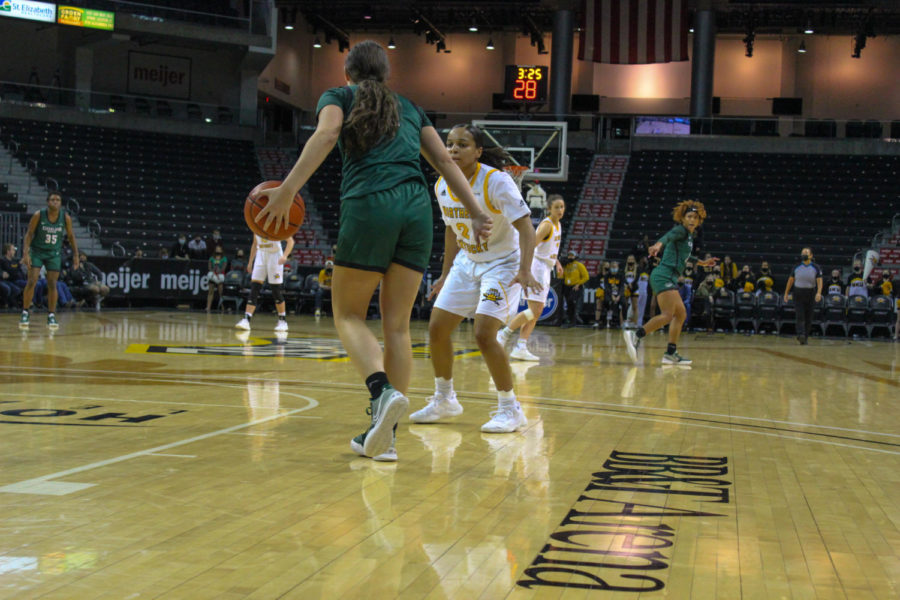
(526, 84)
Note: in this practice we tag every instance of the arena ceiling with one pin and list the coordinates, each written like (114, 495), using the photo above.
(875, 17)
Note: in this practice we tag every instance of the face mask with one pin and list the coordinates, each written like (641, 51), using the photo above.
(216, 236)
(218, 254)
(180, 240)
(804, 257)
(614, 270)
(688, 271)
(765, 270)
(856, 269)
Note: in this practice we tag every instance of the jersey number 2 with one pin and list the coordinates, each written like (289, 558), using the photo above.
(463, 230)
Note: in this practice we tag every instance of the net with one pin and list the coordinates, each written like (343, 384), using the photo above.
(517, 172)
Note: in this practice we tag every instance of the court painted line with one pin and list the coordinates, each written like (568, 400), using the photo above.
(734, 429)
(173, 455)
(198, 380)
(45, 485)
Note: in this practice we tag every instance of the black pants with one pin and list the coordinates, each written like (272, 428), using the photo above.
(805, 306)
(574, 299)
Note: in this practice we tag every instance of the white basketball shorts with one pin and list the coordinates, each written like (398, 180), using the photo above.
(481, 288)
(266, 268)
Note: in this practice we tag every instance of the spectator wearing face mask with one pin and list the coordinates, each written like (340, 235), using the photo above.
(884, 286)
(575, 274)
(163, 253)
(835, 285)
(180, 250)
(197, 248)
(764, 282)
(238, 263)
(728, 271)
(855, 275)
(745, 280)
(806, 280)
(214, 240)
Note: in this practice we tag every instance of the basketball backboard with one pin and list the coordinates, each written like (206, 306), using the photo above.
(540, 145)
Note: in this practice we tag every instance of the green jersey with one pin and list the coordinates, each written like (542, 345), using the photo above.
(48, 236)
(678, 244)
(388, 163)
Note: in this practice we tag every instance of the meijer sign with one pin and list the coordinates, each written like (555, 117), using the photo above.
(159, 75)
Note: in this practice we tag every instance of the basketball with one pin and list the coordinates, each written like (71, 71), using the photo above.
(252, 208)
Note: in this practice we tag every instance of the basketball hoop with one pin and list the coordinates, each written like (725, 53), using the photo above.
(517, 172)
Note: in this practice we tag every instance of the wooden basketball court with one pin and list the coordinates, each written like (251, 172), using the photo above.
(155, 455)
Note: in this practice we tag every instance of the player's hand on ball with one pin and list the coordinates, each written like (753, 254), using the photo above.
(277, 210)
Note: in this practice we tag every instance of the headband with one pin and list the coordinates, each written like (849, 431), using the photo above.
(691, 209)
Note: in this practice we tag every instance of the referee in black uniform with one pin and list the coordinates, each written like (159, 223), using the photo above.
(806, 279)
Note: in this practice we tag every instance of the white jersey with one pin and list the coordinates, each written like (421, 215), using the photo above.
(499, 195)
(547, 250)
(267, 246)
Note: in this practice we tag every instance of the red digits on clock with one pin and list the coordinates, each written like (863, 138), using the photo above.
(525, 89)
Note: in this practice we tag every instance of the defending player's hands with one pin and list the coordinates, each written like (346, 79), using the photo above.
(654, 249)
(481, 226)
(436, 286)
(710, 262)
(278, 209)
(282, 261)
(527, 281)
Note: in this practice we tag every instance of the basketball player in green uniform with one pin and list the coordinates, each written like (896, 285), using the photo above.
(43, 248)
(385, 232)
(677, 246)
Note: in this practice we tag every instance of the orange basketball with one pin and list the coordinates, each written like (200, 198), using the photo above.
(252, 208)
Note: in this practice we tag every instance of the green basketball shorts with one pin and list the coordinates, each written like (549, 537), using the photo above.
(663, 279)
(390, 226)
(41, 258)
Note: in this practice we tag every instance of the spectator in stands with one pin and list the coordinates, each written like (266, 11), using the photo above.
(614, 300)
(216, 276)
(703, 300)
(574, 276)
(213, 241)
(238, 263)
(640, 248)
(63, 292)
(705, 270)
(745, 281)
(180, 250)
(806, 279)
(856, 274)
(835, 285)
(139, 253)
(163, 253)
(86, 283)
(728, 271)
(323, 292)
(197, 248)
(764, 281)
(884, 286)
(12, 276)
(381, 137)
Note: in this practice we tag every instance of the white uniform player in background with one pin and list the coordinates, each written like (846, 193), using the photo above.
(266, 263)
(548, 236)
(479, 277)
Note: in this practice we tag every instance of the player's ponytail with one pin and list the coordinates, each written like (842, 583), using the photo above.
(491, 154)
(375, 116)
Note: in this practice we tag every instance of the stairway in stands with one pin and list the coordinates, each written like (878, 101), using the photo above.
(589, 230)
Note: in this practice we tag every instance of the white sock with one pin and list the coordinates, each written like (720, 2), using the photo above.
(442, 386)
(506, 331)
(506, 399)
(522, 343)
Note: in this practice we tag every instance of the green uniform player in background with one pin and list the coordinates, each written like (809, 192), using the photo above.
(677, 246)
(43, 248)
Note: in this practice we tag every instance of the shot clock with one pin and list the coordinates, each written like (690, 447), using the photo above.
(526, 84)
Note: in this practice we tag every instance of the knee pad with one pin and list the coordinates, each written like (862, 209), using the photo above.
(255, 287)
(529, 314)
(277, 293)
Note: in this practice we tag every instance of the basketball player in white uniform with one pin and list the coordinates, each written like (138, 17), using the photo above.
(266, 263)
(479, 277)
(548, 236)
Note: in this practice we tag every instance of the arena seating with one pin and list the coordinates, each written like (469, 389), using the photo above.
(143, 188)
(9, 202)
(761, 206)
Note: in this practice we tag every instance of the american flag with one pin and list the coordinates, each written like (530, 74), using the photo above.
(634, 32)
